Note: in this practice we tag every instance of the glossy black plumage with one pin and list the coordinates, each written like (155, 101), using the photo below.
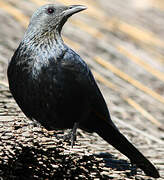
(53, 85)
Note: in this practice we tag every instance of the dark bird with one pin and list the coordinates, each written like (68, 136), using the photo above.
(54, 86)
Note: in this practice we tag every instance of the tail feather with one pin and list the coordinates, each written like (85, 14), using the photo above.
(116, 139)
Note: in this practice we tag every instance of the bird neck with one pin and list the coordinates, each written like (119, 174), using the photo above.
(48, 38)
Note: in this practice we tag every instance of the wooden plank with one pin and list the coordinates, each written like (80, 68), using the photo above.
(129, 79)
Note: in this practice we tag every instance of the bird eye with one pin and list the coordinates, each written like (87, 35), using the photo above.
(50, 10)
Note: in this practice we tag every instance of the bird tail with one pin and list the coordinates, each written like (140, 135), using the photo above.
(112, 135)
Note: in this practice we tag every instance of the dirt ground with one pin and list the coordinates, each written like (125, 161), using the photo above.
(123, 43)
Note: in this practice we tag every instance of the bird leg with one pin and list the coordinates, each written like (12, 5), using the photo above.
(73, 134)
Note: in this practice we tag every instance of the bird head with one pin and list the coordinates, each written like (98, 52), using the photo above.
(49, 20)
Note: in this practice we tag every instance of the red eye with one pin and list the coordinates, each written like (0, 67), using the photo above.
(50, 10)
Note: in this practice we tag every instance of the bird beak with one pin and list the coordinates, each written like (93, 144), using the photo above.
(73, 9)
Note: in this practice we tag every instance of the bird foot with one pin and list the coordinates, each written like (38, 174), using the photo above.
(67, 136)
(71, 135)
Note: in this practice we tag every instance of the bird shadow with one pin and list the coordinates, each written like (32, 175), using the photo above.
(36, 161)
(114, 163)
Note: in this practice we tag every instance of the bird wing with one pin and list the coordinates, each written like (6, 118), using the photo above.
(84, 78)
(99, 109)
